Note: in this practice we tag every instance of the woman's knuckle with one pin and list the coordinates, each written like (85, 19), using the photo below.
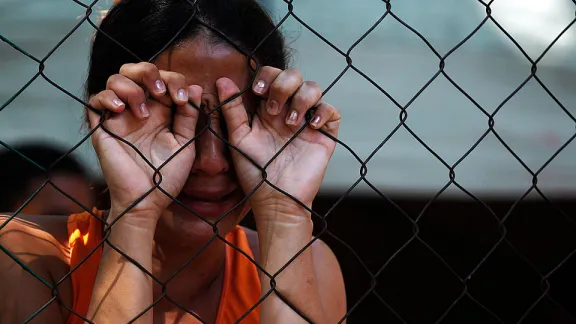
(108, 93)
(180, 78)
(335, 113)
(112, 80)
(148, 69)
(173, 78)
(313, 90)
(288, 92)
(195, 88)
(97, 100)
(301, 99)
(126, 67)
(134, 92)
(278, 89)
(313, 85)
(268, 71)
(235, 102)
(328, 107)
(93, 100)
(293, 72)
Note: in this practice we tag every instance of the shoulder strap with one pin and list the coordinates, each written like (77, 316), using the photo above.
(85, 233)
(241, 287)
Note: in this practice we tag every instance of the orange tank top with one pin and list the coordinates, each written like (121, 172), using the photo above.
(240, 289)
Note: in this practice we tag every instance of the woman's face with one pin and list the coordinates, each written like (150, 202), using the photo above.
(212, 188)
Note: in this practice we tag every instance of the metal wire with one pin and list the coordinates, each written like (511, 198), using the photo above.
(322, 226)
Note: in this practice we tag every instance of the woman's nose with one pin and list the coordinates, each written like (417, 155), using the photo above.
(211, 152)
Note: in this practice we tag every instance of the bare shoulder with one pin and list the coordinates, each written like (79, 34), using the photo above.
(53, 226)
(31, 236)
(33, 259)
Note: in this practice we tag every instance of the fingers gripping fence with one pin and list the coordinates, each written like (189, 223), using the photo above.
(322, 219)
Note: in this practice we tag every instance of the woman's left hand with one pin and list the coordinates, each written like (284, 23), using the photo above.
(299, 169)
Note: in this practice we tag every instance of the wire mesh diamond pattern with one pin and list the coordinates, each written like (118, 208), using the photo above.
(421, 259)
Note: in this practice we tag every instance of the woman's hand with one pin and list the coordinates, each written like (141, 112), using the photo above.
(284, 227)
(299, 169)
(151, 128)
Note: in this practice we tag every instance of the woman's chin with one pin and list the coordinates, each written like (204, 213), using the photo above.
(210, 210)
(194, 222)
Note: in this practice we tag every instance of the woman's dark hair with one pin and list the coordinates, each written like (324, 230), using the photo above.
(144, 27)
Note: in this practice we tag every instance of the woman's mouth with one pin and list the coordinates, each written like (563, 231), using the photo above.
(210, 204)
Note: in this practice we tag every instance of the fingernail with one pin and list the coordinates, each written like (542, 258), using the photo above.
(160, 87)
(272, 107)
(117, 102)
(259, 88)
(182, 95)
(292, 118)
(144, 111)
(314, 122)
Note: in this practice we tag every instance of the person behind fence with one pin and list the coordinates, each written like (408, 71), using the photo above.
(20, 179)
(152, 107)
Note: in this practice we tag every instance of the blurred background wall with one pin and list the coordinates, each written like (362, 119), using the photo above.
(460, 230)
(488, 67)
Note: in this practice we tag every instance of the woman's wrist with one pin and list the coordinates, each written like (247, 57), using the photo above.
(281, 235)
(120, 272)
(138, 219)
(281, 210)
(133, 236)
(285, 252)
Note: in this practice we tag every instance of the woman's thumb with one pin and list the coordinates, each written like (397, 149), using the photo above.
(186, 117)
(234, 111)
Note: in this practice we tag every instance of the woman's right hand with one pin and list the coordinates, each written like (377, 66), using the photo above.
(149, 126)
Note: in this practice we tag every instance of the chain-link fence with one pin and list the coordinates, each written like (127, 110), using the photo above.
(448, 285)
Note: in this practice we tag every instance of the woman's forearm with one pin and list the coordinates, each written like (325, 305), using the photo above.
(281, 238)
(122, 290)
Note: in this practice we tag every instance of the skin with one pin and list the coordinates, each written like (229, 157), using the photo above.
(160, 234)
